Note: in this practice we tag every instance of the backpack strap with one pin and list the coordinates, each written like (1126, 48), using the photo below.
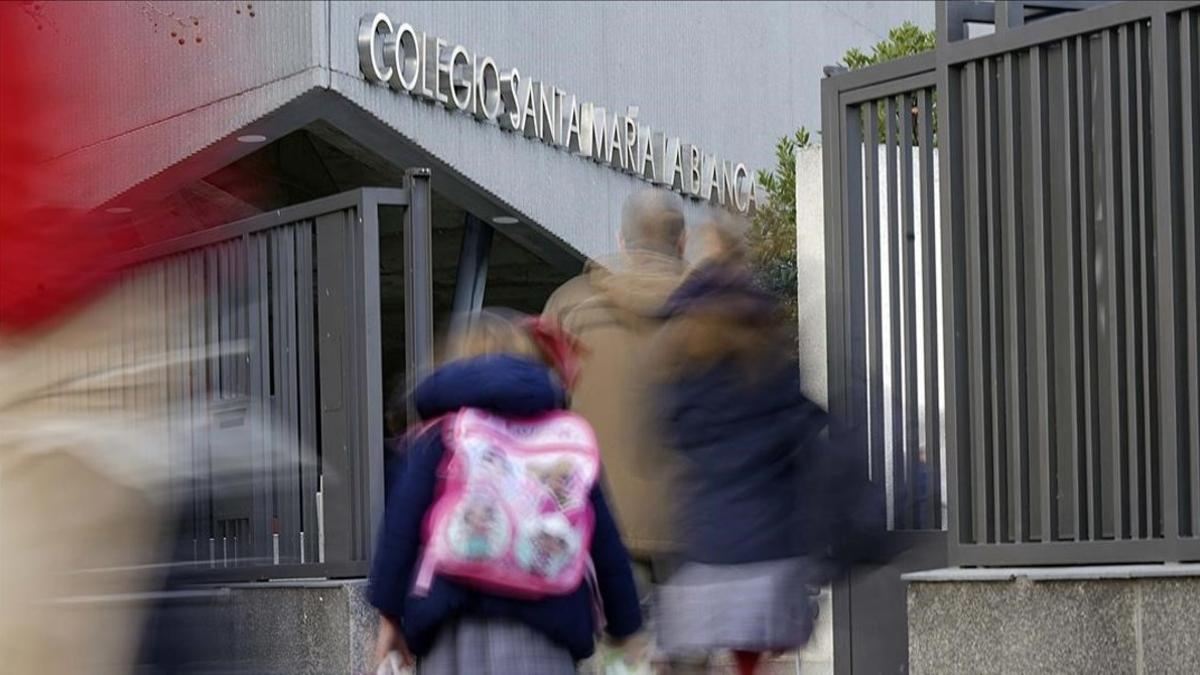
(425, 571)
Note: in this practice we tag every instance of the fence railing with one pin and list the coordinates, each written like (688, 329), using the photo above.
(1039, 322)
(274, 411)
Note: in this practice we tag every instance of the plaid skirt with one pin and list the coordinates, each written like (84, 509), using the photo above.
(475, 645)
(765, 606)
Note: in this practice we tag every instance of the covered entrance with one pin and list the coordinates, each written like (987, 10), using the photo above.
(316, 277)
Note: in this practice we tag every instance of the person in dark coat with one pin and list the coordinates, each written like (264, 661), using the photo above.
(454, 628)
(763, 494)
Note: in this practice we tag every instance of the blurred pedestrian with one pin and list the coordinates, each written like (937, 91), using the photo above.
(83, 487)
(613, 309)
(501, 369)
(731, 408)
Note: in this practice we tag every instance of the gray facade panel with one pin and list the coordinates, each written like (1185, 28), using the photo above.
(730, 78)
(123, 65)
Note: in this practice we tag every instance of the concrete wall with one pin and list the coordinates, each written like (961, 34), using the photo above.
(1082, 625)
(810, 274)
(277, 628)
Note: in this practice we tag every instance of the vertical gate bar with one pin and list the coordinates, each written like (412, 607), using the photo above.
(895, 353)
(239, 325)
(220, 284)
(237, 291)
(929, 300)
(1172, 388)
(976, 299)
(289, 534)
(356, 342)
(1190, 116)
(1013, 271)
(853, 280)
(267, 421)
(373, 376)
(306, 358)
(1039, 245)
(243, 267)
(1132, 271)
(278, 434)
(229, 320)
(908, 273)
(1074, 430)
(873, 234)
(244, 313)
(994, 318)
(840, 222)
(211, 296)
(334, 384)
(836, 319)
(255, 288)
(1153, 492)
(849, 171)
(214, 395)
(1087, 257)
(187, 507)
(1114, 283)
(954, 293)
(224, 319)
(197, 385)
(171, 307)
(418, 286)
(186, 407)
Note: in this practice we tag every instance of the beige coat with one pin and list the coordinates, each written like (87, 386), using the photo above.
(611, 307)
(82, 472)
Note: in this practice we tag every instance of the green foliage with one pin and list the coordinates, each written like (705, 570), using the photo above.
(903, 40)
(772, 235)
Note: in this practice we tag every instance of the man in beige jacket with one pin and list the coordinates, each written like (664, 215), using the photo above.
(613, 309)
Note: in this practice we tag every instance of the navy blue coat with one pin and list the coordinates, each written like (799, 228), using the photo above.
(508, 386)
(741, 440)
(761, 480)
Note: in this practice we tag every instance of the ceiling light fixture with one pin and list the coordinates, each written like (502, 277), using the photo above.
(505, 220)
(251, 138)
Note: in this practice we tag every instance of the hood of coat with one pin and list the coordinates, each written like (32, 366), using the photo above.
(636, 284)
(512, 386)
(721, 289)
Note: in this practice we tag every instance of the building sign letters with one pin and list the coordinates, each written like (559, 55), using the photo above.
(429, 68)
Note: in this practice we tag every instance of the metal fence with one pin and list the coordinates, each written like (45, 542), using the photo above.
(1038, 319)
(274, 411)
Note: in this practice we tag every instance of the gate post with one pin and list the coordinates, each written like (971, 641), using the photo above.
(418, 283)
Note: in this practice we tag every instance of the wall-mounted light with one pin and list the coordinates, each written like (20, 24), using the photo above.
(251, 138)
(505, 220)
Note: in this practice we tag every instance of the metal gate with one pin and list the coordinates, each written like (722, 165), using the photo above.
(275, 404)
(1013, 293)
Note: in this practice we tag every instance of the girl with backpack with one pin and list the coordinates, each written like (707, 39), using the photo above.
(497, 552)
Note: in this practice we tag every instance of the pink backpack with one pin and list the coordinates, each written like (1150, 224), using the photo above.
(512, 514)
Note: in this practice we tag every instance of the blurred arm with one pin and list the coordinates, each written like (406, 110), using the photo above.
(399, 542)
(614, 576)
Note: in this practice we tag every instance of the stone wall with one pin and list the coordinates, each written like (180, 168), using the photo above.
(1097, 622)
(276, 628)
